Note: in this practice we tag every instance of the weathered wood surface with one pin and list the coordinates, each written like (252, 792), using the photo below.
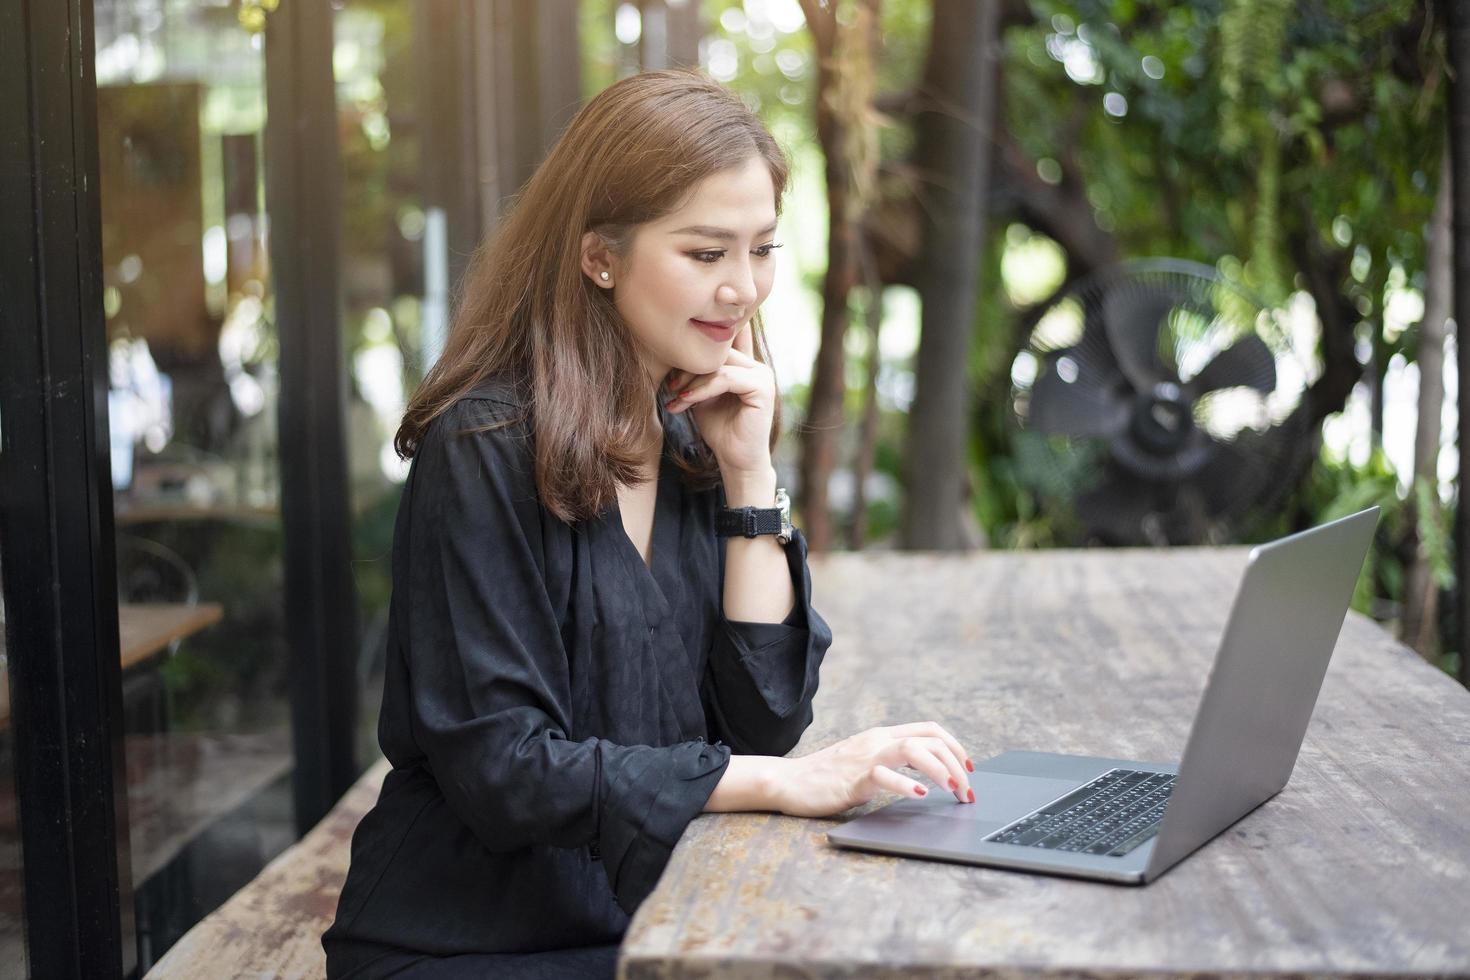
(1360, 866)
(272, 927)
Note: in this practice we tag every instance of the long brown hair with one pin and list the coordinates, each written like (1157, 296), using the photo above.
(527, 312)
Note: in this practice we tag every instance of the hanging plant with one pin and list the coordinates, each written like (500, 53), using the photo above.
(850, 99)
(1252, 43)
(253, 13)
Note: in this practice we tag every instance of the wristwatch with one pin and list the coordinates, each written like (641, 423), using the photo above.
(751, 521)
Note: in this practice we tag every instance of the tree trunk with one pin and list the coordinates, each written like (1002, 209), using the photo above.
(1323, 273)
(838, 100)
(1380, 353)
(954, 133)
(653, 35)
(1376, 375)
(669, 37)
(1417, 627)
(824, 416)
(685, 31)
(1061, 212)
(1458, 45)
(868, 433)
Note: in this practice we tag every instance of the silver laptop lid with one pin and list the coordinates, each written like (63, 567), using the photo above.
(1261, 691)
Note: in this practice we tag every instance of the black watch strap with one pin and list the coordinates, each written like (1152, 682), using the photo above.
(748, 521)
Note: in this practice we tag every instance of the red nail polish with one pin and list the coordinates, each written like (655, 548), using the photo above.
(920, 791)
(972, 796)
(969, 765)
(952, 784)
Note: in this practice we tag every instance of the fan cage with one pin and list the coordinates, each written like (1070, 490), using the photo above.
(1247, 436)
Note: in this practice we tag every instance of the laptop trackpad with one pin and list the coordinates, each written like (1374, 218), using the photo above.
(999, 798)
(1003, 797)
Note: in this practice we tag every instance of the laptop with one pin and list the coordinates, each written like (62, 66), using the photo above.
(1118, 820)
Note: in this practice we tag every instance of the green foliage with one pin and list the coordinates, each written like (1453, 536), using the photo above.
(379, 164)
(1176, 174)
(775, 70)
(600, 49)
(372, 546)
(1434, 530)
(1252, 33)
(234, 674)
(1338, 488)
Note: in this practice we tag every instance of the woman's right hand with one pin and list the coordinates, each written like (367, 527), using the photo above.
(851, 772)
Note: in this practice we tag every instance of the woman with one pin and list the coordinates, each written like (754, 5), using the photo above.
(579, 662)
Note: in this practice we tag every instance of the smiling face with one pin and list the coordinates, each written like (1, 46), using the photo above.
(690, 281)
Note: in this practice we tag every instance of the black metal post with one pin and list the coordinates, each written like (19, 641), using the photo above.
(56, 501)
(499, 81)
(445, 43)
(558, 70)
(1459, 111)
(538, 81)
(303, 199)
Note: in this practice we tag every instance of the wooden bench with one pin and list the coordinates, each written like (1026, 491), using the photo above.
(273, 926)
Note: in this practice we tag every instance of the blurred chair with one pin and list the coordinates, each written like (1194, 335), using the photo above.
(148, 572)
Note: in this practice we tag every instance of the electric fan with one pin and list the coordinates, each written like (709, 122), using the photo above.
(1157, 404)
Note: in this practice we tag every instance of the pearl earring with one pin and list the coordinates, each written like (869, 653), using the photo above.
(605, 277)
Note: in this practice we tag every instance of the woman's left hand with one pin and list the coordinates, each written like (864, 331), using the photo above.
(733, 407)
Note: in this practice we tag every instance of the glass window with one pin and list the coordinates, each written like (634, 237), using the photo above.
(389, 239)
(193, 380)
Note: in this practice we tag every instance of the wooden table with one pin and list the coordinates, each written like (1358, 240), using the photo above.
(146, 628)
(1360, 866)
(143, 630)
(127, 514)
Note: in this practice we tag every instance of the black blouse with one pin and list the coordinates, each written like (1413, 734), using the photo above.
(555, 712)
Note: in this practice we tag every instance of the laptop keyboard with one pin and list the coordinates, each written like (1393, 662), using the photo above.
(1111, 815)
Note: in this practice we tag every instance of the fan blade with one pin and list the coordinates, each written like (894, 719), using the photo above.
(1134, 315)
(1229, 480)
(1093, 356)
(1085, 406)
(1116, 511)
(1058, 408)
(1247, 363)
